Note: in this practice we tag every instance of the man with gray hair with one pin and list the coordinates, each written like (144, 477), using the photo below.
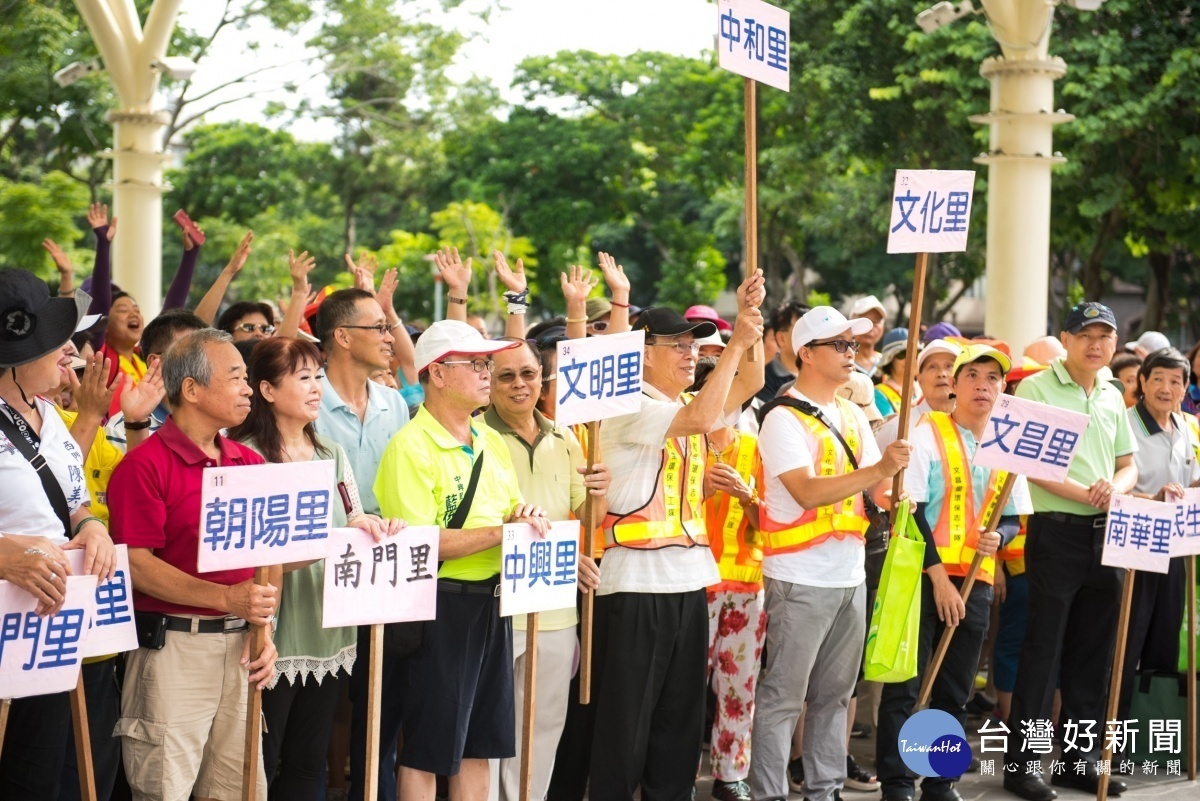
(183, 710)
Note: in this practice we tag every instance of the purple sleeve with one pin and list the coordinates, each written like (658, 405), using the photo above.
(102, 274)
(177, 295)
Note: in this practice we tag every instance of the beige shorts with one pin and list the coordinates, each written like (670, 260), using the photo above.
(183, 719)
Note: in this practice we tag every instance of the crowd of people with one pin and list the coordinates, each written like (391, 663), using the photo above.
(743, 514)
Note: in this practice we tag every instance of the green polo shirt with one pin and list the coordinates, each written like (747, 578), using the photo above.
(1108, 434)
(548, 475)
(423, 477)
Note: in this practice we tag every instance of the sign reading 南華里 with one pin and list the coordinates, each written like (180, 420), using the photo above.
(266, 514)
(754, 41)
(41, 655)
(390, 581)
(1031, 439)
(112, 629)
(538, 573)
(599, 377)
(1138, 534)
(931, 211)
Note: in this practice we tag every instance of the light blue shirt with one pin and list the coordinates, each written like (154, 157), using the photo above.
(364, 441)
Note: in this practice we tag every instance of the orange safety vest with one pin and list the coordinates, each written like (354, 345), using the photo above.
(957, 529)
(1013, 554)
(892, 395)
(838, 520)
(736, 546)
(1193, 432)
(674, 515)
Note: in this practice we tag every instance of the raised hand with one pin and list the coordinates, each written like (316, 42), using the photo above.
(513, 280)
(238, 261)
(97, 217)
(366, 261)
(61, 262)
(300, 266)
(456, 274)
(614, 277)
(387, 290)
(93, 395)
(139, 400)
(577, 283)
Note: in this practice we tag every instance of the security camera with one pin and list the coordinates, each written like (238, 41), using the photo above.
(944, 13)
(1085, 5)
(177, 67)
(74, 71)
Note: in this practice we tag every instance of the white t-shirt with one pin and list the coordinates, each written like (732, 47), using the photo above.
(631, 446)
(889, 432)
(24, 507)
(785, 444)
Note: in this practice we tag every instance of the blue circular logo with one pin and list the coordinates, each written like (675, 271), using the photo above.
(933, 743)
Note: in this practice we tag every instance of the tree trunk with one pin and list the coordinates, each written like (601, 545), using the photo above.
(1157, 292)
(1092, 274)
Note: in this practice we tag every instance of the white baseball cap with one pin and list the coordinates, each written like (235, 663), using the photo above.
(825, 321)
(937, 346)
(866, 304)
(712, 339)
(446, 337)
(1150, 341)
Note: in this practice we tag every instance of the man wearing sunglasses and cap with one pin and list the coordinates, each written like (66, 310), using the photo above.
(951, 515)
(1074, 601)
(450, 469)
(819, 459)
(651, 612)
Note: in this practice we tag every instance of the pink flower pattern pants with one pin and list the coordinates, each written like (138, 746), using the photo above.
(737, 624)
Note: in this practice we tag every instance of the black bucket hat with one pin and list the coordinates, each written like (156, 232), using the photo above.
(32, 323)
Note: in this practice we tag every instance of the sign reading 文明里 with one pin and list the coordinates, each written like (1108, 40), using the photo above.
(1138, 533)
(538, 573)
(266, 514)
(931, 211)
(599, 377)
(42, 655)
(754, 41)
(390, 581)
(111, 630)
(1030, 439)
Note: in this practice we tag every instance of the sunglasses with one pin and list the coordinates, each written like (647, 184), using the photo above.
(250, 328)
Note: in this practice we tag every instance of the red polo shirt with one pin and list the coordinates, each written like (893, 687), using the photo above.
(154, 502)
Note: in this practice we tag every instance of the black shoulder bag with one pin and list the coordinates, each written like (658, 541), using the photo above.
(403, 639)
(879, 530)
(25, 440)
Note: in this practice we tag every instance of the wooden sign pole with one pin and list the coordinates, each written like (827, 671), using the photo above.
(5, 703)
(751, 103)
(258, 637)
(1191, 662)
(1114, 681)
(374, 693)
(935, 661)
(83, 741)
(531, 634)
(910, 361)
(589, 598)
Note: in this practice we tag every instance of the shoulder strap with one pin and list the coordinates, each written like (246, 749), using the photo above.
(806, 408)
(464, 506)
(50, 485)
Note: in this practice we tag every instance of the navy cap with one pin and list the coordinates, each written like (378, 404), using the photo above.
(1085, 314)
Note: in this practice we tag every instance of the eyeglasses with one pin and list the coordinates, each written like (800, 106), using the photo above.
(682, 348)
(250, 328)
(527, 375)
(478, 365)
(840, 345)
(380, 329)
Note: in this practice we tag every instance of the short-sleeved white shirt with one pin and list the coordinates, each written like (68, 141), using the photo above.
(785, 444)
(24, 507)
(631, 447)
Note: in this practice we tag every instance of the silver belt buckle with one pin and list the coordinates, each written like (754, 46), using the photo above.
(1100, 522)
(496, 592)
(233, 624)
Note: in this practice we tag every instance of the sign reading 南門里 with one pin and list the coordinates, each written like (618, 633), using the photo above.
(42, 655)
(391, 581)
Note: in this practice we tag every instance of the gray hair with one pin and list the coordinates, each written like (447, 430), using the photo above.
(187, 359)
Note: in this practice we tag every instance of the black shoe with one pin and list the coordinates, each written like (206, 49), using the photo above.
(730, 791)
(945, 793)
(1029, 786)
(859, 778)
(1089, 782)
(795, 772)
(896, 795)
(860, 730)
(837, 796)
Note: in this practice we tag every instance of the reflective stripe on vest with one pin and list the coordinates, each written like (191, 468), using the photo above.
(839, 520)
(957, 529)
(1193, 432)
(660, 522)
(734, 543)
(892, 395)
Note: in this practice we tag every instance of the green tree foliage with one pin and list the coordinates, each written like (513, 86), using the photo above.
(30, 213)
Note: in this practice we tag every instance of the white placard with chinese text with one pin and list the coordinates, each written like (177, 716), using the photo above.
(112, 630)
(266, 514)
(1031, 439)
(391, 581)
(538, 574)
(754, 40)
(1185, 537)
(1138, 534)
(599, 377)
(931, 211)
(42, 655)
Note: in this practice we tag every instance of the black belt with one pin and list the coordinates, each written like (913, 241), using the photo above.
(219, 625)
(486, 587)
(1090, 521)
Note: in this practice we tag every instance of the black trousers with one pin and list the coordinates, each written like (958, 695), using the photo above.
(569, 779)
(103, 696)
(1074, 602)
(649, 686)
(390, 696)
(951, 688)
(31, 764)
(299, 720)
(1154, 622)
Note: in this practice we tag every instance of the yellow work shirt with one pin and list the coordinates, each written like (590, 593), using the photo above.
(98, 467)
(423, 477)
